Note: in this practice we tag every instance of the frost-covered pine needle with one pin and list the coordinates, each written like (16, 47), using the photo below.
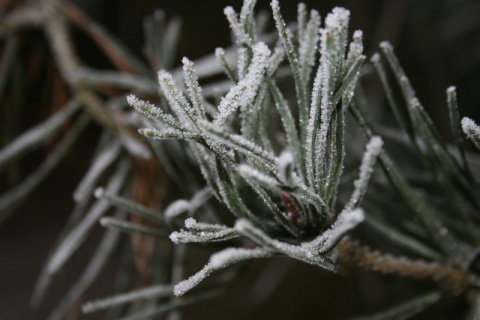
(346, 221)
(193, 87)
(374, 147)
(240, 144)
(262, 178)
(302, 252)
(38, 134)
(242, 94)
(275, 60)
(472, 130)
(120, 299)
(76, 236)
(168, 134)
(286, 38)
(247, 20)
(286, 167)
(203, 232)
(102, 162)
(229, 70)
(183, 236)
(308, 46)
(130, 228)
(177, 100)
(152, 111)
(218, 261)
(240, 36)
(129, 206)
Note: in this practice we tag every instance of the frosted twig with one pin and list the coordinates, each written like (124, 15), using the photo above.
(68, 63)
(448, 276)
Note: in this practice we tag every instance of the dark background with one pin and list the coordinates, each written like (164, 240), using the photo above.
(438, 43)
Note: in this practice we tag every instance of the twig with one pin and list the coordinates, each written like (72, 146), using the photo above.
(448, 277)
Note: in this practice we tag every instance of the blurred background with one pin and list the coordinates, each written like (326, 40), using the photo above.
(437, 42)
